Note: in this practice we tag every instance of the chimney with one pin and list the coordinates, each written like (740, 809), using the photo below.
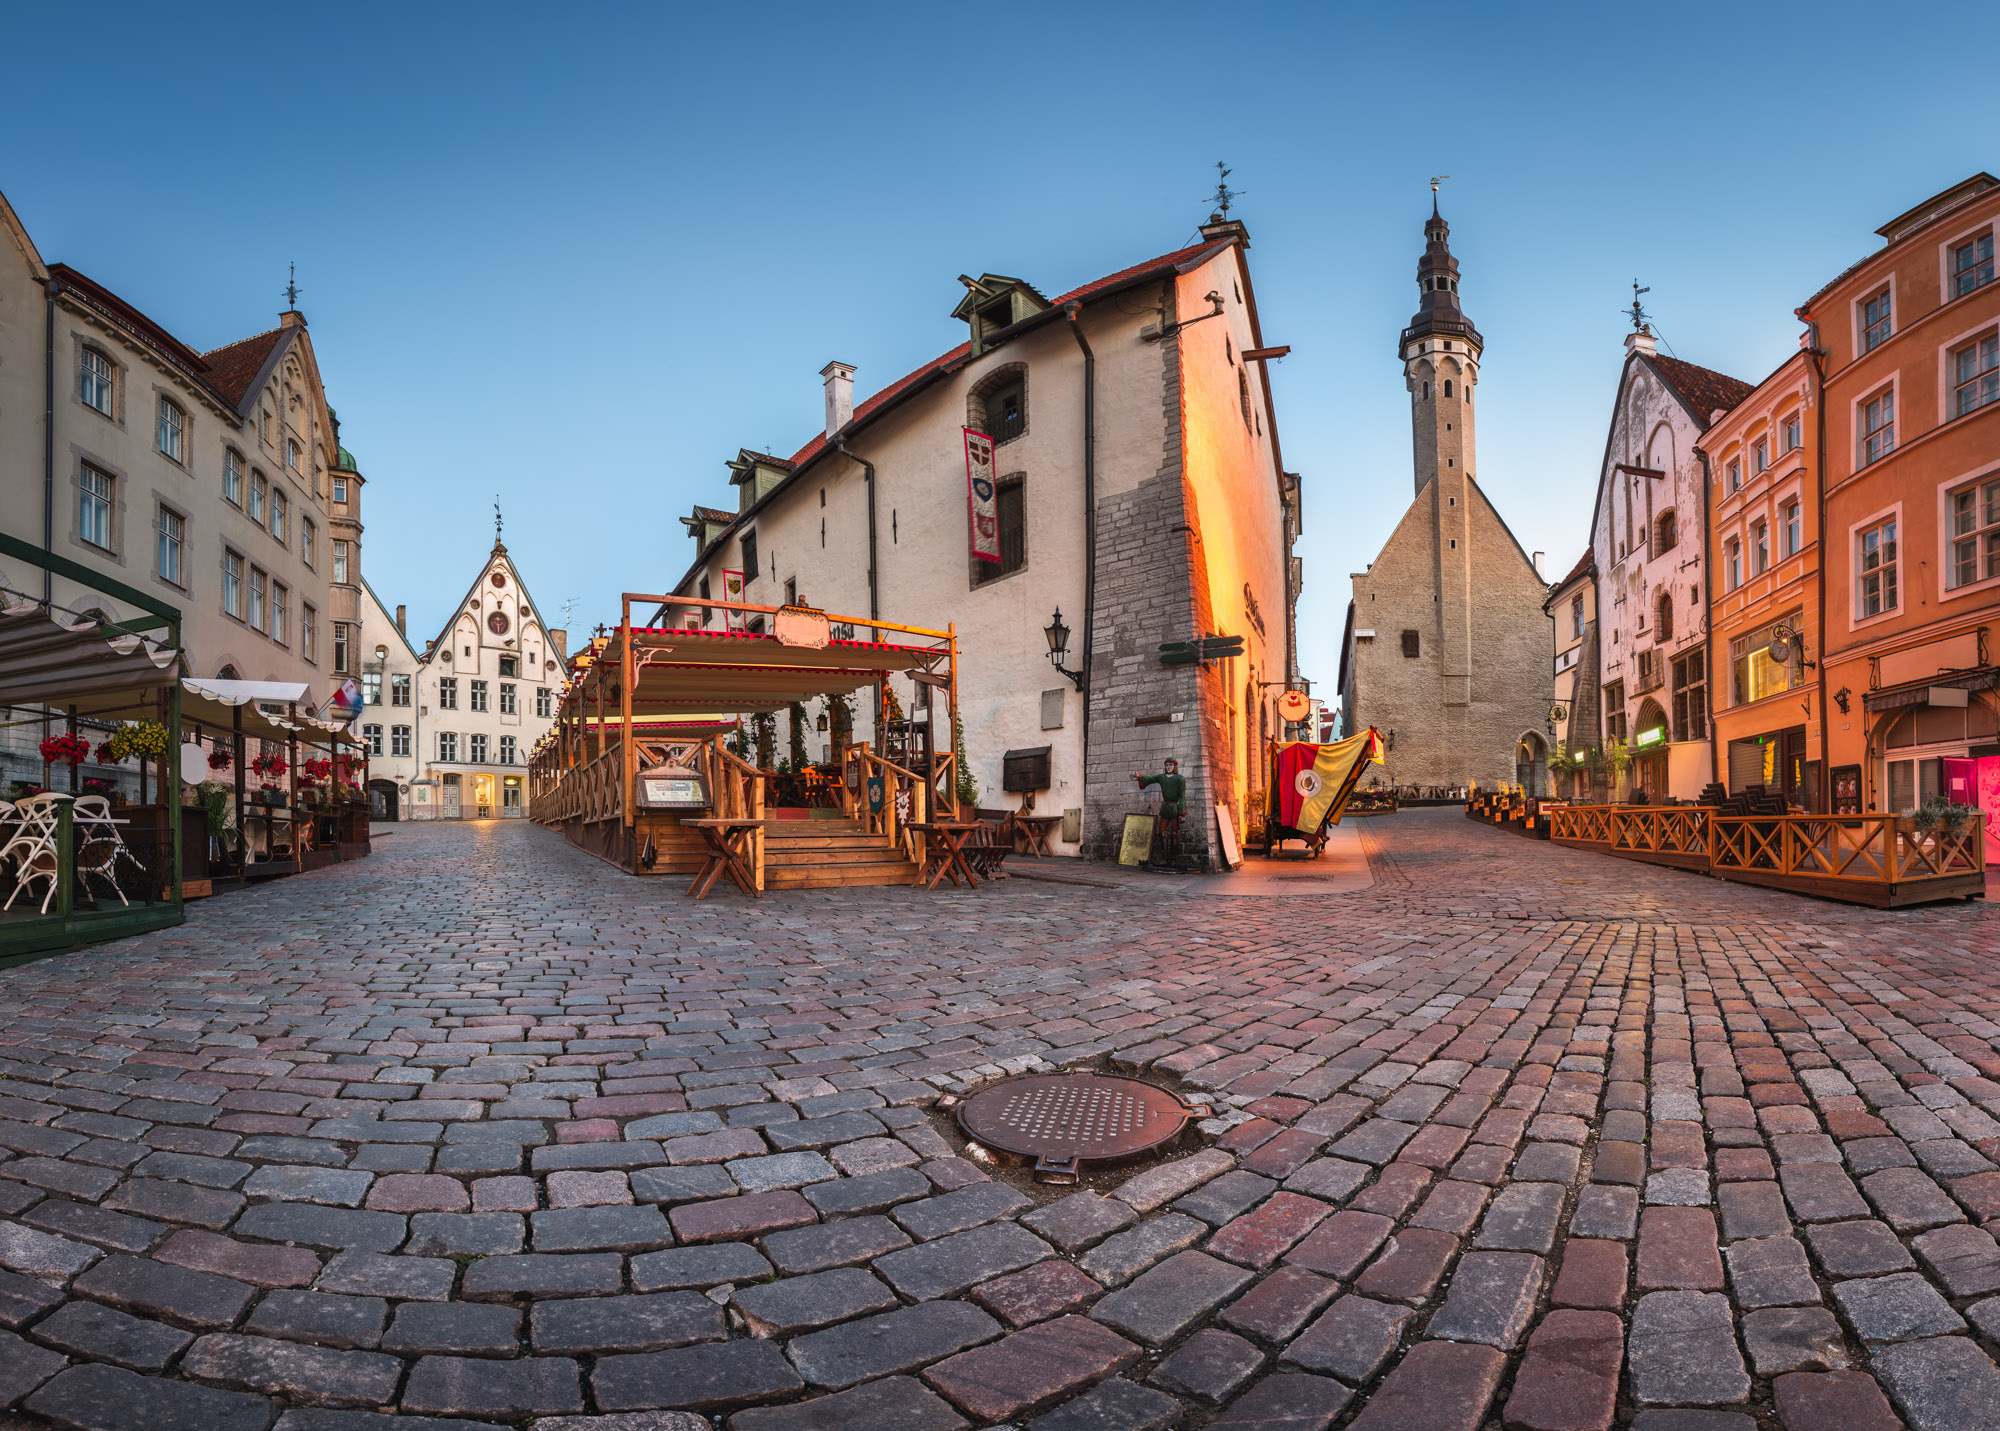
(839, 395)
(402, 625)
(1538, 565)
(1642, 342)
(559, 639)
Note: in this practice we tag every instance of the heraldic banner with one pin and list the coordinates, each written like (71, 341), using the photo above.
(1313, 781)
(981, 496)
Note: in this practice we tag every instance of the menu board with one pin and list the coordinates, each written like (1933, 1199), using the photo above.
(1137, 845)
(673, 792)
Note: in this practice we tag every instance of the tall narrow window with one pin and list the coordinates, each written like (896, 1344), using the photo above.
(373, 735)
(1691, 694)
(1975, 533)
(1760, 548)
(1972, 265)
(232, 477)
(476, 697)
(172, 434)
(447, 693)
(291, 454)
(1760, 455)
(448, 747)
(749, 545)
(1975, 375)
(94, 380)
(1413, 644)
(340, 551)
(279, 514)
(1734, 471)
(260, 495)
(259, 590)
(1792, 430)
(93, 510)
(1876, 580)
(339, 485)
(1790, 514)
(399, 690)
(544, 702)
(509, 702)
(280, 604)
(340, 645)
(308, 541)
(1733, 569)
(507, 749)
(477, 754)
(309, 631)
(172, 531)
(1012, 501)
(1878, 427)
(232, 583)
(399, 740)
(1875, 321)
(1663, 617)
(1576, 617)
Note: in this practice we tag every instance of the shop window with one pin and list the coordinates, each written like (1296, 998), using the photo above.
(1753, 674)
(1975, 533)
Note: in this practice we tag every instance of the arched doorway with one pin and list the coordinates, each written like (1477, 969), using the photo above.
(382, 804)
(1530, 762)
(1649, 753)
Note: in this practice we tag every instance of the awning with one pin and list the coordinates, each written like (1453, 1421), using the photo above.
(53, 657)
(1918, 693)
(685, 673)
(236, 693)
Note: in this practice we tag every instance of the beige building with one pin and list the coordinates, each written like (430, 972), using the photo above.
(389, 722)
(1572, 609)
(1141, 494)
(1447, 646)
(201, 477)
(1649, 535)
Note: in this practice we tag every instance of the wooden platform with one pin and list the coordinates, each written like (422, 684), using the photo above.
(816, 853)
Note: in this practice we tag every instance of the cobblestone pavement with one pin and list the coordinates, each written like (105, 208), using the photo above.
(480, 1129)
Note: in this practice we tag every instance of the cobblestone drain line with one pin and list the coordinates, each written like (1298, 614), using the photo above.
(481, 1130)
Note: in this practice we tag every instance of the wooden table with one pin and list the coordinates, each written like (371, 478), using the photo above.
(944, 852)
(1036, 829)
(728, 844)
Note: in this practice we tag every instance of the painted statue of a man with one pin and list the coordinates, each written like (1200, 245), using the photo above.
(1173, 789)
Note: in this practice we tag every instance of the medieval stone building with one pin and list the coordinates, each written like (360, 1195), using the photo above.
(1447, 648)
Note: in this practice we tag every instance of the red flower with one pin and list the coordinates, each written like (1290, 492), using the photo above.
(70, 749)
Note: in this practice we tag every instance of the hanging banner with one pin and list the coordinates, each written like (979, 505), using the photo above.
(981, 496)
(732, 590)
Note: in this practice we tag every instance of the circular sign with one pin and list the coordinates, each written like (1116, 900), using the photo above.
(194, 764)
(1307, 782)
(499, 579)
(497, 623)
(1780, 650)
(1294, 705)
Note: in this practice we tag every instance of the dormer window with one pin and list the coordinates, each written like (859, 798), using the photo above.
(997, 315)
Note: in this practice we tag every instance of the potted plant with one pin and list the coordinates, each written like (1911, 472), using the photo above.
(220, 759)
(65, 750)
(141, 740)
(272, 794)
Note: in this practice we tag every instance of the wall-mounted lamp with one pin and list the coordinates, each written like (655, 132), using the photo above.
(1058, 635)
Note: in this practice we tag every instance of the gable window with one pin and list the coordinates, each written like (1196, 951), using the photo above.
(749, 557)
(264, 425)
(1760, 456)
(1792, 433)
(1875, 582)
(509, 700)
(544, 702)
(399, 690)
(93, 508)
(1690, 679)
(447, 693)
(340, 630)
(1760, 548)
(1734, 471)
(232, 477)
(1733, 564)
(172, 434)
(340, 551)
(1975, 375)
(1975, 533)
(309, 631)
(399, 740)
(448, 746)
(476, 755)
(373, 735)
(232, 583)
(508, 746)
(172, 532)
(1666, 532)
(1011, 498)
(1413, 644)
(510, 665)
(1972, 265)
(1789, 516)
(1576, 616)
(94, 380)
(1878, 427)
(260, 496)
(477, 697)
(1875, 322)
(308, 540)
(259, 589)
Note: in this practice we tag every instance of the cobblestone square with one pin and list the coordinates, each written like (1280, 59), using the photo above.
(481, 1129)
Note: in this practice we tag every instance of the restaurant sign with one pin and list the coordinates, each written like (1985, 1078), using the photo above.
(981, 496)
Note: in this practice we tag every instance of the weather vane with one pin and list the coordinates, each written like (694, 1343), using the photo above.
(292, 289)
(1436, 179)
(1639, 316)
(496, 519)
(1223, 193)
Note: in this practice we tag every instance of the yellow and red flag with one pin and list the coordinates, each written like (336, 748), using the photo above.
(1313, 781)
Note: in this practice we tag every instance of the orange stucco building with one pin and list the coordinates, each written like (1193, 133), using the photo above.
(1907, 343)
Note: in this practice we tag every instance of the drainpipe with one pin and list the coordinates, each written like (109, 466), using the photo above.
(868, 476)
(53, 287)
(1715, 766)
(1074, 310)
(1816, 365)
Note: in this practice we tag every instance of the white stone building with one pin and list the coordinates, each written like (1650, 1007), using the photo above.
(389, 722)
(1648, 540)
(1141, 493)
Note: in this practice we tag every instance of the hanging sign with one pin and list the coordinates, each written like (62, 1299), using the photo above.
(982, 497)
(732, 590)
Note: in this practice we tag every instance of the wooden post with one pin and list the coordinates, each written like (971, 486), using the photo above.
(757, 838)
(951, 698)
(629, 771)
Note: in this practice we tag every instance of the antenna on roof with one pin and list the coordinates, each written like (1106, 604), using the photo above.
(569, 611)
(292, 290)
(1224, 195)
(1641, 319)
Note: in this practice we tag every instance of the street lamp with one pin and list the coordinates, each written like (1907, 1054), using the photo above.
(1058, 635)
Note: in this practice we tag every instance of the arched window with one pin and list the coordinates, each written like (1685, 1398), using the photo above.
(1665, 531)
(1447, 387)
(227, 673)
(998, 404)
(1663, 617)
(94, 378)
(1427, 392)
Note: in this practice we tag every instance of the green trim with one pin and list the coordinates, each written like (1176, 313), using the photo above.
(77, 571)
(41, 938)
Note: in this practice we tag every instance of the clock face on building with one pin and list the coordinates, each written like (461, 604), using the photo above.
(497, 623)
(499, 580)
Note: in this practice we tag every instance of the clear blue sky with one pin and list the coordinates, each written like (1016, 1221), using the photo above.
(578, 255)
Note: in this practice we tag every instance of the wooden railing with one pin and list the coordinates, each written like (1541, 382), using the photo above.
(1870, 859)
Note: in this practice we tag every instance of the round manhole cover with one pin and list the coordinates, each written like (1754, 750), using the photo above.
(1062, 1120)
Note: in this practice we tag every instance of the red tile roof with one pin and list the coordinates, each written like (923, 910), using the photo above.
(947, 362)
(234, 366)
(1703, 391)
(1583, 564)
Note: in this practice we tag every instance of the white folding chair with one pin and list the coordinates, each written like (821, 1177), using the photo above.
(32, 847)
(94, 819)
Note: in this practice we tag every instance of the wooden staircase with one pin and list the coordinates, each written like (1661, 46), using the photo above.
(825, 854)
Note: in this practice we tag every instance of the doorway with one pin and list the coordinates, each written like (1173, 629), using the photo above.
(382, 803)
(452, 786)
(510, 797)
(482, 795)
(1530, 756)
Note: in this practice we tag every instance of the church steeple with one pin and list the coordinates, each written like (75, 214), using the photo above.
(1441, 353)
(1438, 313)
